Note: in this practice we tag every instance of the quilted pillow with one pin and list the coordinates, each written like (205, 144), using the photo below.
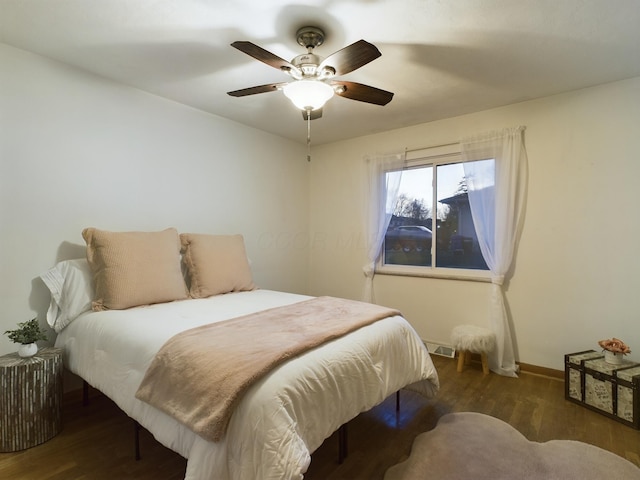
(216, 264)
(134, 268)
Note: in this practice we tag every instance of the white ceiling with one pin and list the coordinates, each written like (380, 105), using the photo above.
(441, 58)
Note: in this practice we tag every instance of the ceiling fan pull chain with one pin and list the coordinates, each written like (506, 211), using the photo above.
(308, 134)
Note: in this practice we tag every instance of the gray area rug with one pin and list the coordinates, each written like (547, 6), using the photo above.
(473, 445)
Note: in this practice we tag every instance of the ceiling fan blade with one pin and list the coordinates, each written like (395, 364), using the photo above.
(263, 55)
(351, 57)
(317, 113)
(271, 87)
(362, 93)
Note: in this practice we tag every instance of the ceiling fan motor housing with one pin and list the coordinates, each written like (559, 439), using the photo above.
(307, 63)
(310, 37)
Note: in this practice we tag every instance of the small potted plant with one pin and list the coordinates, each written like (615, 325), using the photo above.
(27, 334)
(614, 350)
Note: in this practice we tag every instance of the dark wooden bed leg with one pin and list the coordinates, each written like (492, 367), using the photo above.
(85, 393)
(398, 401)
(136, 430)
(342, 443)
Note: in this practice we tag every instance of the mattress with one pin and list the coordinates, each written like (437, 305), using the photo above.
(283, 417)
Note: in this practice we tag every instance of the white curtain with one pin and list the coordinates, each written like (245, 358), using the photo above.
(497, 201)
(385, 174)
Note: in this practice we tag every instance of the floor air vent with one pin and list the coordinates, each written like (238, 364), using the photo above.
(438, 349)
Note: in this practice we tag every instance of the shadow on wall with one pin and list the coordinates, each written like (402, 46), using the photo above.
(69, 251)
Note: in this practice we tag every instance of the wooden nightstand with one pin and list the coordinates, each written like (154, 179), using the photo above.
(30, 399)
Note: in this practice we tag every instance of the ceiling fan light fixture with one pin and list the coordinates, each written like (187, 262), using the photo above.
(308, 94)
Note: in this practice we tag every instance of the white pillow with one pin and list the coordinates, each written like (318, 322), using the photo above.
(71, 292)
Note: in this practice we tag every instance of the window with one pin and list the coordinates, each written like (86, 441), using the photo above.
(431, 228)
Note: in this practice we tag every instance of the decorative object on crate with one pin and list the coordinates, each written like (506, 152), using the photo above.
(614, 350)
(613, 358)
(27, 334)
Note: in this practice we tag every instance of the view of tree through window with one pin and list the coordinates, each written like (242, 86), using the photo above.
(415, 238)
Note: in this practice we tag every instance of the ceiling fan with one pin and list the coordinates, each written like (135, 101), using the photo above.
(314, 77)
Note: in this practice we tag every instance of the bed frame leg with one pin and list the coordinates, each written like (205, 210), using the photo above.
(136, 433)
(398, 401)
(85, 393)
(342, 443)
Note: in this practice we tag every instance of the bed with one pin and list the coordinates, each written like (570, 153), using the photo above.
(281, 419)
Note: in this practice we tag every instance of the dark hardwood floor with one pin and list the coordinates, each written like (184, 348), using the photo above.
(96, 442)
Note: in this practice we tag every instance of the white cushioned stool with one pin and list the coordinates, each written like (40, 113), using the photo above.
(468, 339)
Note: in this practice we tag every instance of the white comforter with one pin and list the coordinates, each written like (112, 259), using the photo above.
(285, 416)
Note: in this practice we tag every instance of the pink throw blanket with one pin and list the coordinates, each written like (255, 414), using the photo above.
(200, 375)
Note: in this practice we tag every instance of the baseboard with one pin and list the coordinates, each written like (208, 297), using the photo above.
(536, 370)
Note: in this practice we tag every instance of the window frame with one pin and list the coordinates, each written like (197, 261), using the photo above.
(433, 157)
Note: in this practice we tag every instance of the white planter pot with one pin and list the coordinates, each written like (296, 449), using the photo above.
(613, 358)
(27, 350)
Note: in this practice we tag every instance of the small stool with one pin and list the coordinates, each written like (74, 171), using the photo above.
(468, 339)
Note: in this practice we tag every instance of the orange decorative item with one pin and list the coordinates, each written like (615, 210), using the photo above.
(615, 345)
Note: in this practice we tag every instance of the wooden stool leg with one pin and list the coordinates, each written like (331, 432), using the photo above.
(461, 355)
(485, 363)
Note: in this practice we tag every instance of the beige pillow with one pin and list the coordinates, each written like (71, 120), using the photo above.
(134, 268)
(216, 264)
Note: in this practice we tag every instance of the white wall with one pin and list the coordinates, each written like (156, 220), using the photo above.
(77, 150)
(575, 278)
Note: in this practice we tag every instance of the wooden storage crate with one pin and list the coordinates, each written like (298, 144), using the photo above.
(603, 387)
(574, 373)
(628, 407)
